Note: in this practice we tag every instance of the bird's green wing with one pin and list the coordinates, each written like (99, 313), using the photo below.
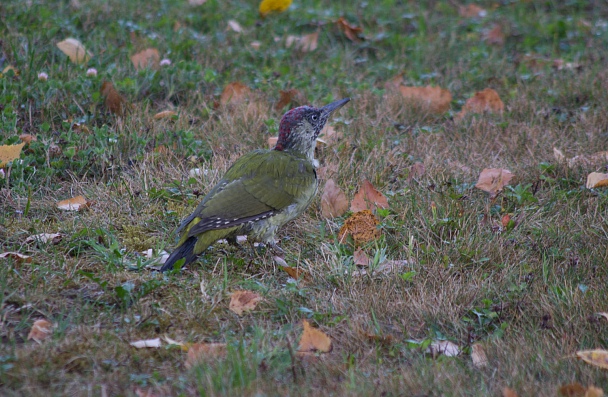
(258, 185)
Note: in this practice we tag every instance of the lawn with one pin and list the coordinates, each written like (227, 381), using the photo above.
(521, 275)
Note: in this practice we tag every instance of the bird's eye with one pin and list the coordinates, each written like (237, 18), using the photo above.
(314, 117)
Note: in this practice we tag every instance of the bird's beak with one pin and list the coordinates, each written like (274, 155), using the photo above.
(332, 107)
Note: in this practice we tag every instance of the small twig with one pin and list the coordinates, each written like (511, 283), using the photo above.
(293, 361)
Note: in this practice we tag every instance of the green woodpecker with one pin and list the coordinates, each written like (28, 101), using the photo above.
(262, 190)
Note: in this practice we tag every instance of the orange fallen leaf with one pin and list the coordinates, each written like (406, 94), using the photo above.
(306, 43)
(593, 391)
(333, 202)
(478, 356)
(74, 50)
(360, 258)
(351, 32)
(368, 198)
(313, 340)
(472, 11)
(288, 97)
(113, 100)
(493, 180)
(572, 390)
(596, 179)
(235, 93)
(9, 153)
(199, 352)
(506, 218)
(495, 36)
(73, 204)
(272, 6)
(243, 301)
(164, 114)
(436, 99)
(148, 58)
(598, 358)
(508, 392)
(16, 256)
(295, 272)
(362, 226)
(27, 138)
(483, 101)
(41, 330)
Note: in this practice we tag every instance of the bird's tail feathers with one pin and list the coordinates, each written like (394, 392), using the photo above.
(186, 251)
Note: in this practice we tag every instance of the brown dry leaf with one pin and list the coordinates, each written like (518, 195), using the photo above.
(295, 272)
(53, 238)
(506, 218)
(313, 340)
(199, 352)
(333, 202)
(593, 391)
(416, 171)
(353, 33)
(140, 344)
(289, 96)
(383, 339)
(472, 11)
(360, 258)
(495, 36)
(235, 93)
(603, 314)
(16, 256)
(164, 114)
(148, 58)
(362, 226)
(306, 43)
(235, 26)
(598, 358)
(368, 198)
(74, 50)
(9, 153)
(492, 180)
(508, 392)
(596, 179)
(27, 138)
(599, 157)
(73, 204)
(436, 99)
(243, 301)
(573, 390)
(486, 100)
(113, 100)
(41, 330)
(445, 347)
(478, 356)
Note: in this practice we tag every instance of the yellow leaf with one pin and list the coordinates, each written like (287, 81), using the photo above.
(74, 50)
(73, 204)
(235, 93)
(148, 58)
(268, 6)
(243, 301)
(483, 101)
(9, 153)
(597, 179)
(598, 358)
(313, 340)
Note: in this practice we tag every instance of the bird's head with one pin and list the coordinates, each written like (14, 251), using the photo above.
(301, 126)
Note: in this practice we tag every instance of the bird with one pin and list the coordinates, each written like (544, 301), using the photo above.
(262, 191)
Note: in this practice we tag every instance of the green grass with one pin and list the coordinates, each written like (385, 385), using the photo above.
(529, 293)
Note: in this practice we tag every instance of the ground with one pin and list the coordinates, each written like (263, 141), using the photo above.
(528, 291)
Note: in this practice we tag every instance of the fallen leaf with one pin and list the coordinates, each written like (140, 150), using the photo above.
(73, 204)
(289, 96)
(590, 159)
(472, 11)
(313, 340)
(170, 341)
(478, 356)
(573, 390)
(445, 347)
(492, 180)
(164, 114)
(74, 50)
(334, 202)
(148, 58)
(196, 2)
(386, 268)
(235, 93)
(593, 391)
(416, 170)
(508, 392)
(243, 301)
(199, 352)
(113, 100)
(140, 344)
(16, 256)
(351, 32)
(295, 272)
(506, 218)
(603, 314)
(360, 258)
(45, 238)
(273, 6)
(41, 330)
(435, 99)
(598, 358)
(306, 43)
(362, 226)
(9, 153)
(495, 36)
(383, 339)
(27, 138)
(596, 179)
(235, 26)
(368, 198)
(486, 100)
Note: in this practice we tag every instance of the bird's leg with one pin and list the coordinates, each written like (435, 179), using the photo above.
(278, 250)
